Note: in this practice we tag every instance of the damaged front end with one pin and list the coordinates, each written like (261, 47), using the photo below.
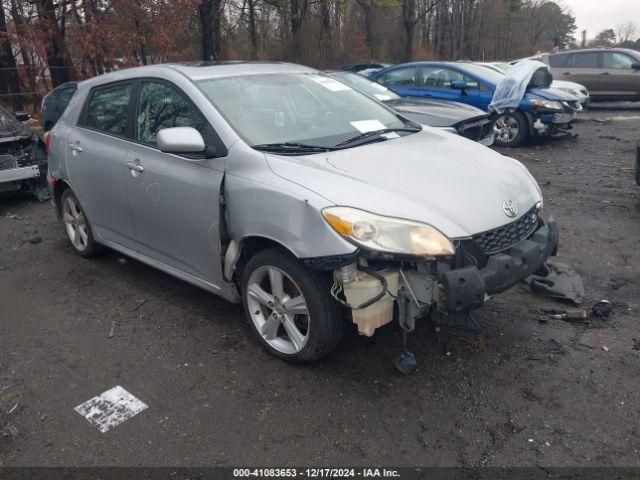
(447, 289)
(23, 159)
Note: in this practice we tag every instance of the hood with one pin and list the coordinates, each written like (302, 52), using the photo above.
(550, 94)
(567, 84)
(435, 113)
(435, 177)
(10, 127)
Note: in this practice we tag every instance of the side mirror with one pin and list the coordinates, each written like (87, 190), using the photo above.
(180, 140)
(462, 86)
(635, 66)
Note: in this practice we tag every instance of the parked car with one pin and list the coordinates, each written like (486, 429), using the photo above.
(579, 91)
(608, 73)
(277, 186)
(465, 120)
(543, 111)
(54, 104)
(23, 161)
(357, 67)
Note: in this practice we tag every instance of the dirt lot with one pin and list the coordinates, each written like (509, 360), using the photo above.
(518, 392)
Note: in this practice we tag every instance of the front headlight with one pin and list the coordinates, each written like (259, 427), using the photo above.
(548, 104)
(386, 234)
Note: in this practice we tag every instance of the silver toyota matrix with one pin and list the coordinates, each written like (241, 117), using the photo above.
(277, 186)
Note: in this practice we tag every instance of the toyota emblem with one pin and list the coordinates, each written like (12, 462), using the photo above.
(510, 208)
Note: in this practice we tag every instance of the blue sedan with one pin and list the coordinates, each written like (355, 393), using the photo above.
(542, 111)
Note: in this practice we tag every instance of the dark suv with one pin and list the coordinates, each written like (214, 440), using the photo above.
(55, 103)
(608, 73)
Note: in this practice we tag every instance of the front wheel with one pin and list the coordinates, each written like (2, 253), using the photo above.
(510, 129)
(290, 308)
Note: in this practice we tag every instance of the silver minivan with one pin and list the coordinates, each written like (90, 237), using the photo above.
(279, 187)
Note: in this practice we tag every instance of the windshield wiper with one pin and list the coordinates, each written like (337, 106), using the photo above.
(374, 135)
(291, 147)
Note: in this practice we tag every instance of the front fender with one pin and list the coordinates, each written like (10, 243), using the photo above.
(283, 212)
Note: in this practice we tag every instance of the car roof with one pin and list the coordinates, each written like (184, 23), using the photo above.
(597, 49)
(202, 70)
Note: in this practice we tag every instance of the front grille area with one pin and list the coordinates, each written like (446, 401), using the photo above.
(476, 130)
(501, 238)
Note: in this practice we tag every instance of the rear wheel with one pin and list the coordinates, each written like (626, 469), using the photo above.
(510, 129)
(289, 307)
(77, 225)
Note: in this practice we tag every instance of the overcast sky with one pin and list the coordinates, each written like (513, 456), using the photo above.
(596, 15)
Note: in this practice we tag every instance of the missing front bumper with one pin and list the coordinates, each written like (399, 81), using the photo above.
(464, 289)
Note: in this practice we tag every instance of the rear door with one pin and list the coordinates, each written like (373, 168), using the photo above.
(174, 199)
(583, 68)
(96, 152)
(403, 81)
(622, 80)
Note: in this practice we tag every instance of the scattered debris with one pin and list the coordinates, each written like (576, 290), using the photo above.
(112, 330)
(602, 309)
(478, 344)
(406, 362)
(122, 261)
(557, 280)
(569, 314)
(636, 344)
(606, 349)
(111, 408)
(35, 240)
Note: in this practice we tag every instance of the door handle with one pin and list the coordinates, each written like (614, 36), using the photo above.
(566, 73)
(75, 148)
(135, 167)
(605, 73)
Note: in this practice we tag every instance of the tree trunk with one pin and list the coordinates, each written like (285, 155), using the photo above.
(408, 12)
(58, 58)
(298, 12)
(253, 34)
(9, 79)
(206, 21)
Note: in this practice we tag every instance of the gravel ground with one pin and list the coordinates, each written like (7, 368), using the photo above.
(518, 392)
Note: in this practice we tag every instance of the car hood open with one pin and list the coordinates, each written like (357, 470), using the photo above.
(435, 113)
(452, 183)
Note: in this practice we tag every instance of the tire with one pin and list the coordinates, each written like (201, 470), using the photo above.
(510, 129)
(77, 225)
(278, 322)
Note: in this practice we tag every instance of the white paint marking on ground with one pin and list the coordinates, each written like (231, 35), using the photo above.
(110, 408)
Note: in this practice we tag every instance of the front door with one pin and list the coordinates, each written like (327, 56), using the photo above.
(437, 82)
(96, 153)
(174, 199)
(623, 80)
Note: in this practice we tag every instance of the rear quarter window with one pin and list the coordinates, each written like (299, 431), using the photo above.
(583, 60)
(108, 109)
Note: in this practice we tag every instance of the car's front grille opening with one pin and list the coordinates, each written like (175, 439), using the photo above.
(501, 238)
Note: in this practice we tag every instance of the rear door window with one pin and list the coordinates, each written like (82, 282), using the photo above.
(163, 106)
(401, 77)
(108, 109)
(583, 60)
(617, 60)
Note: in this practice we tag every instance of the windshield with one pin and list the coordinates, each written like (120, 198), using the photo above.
(487, 74)
(366, 86)
(307, 108)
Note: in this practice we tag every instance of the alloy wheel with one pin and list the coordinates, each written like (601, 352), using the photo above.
(506, 128)
(75, 223)
(278, 309)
